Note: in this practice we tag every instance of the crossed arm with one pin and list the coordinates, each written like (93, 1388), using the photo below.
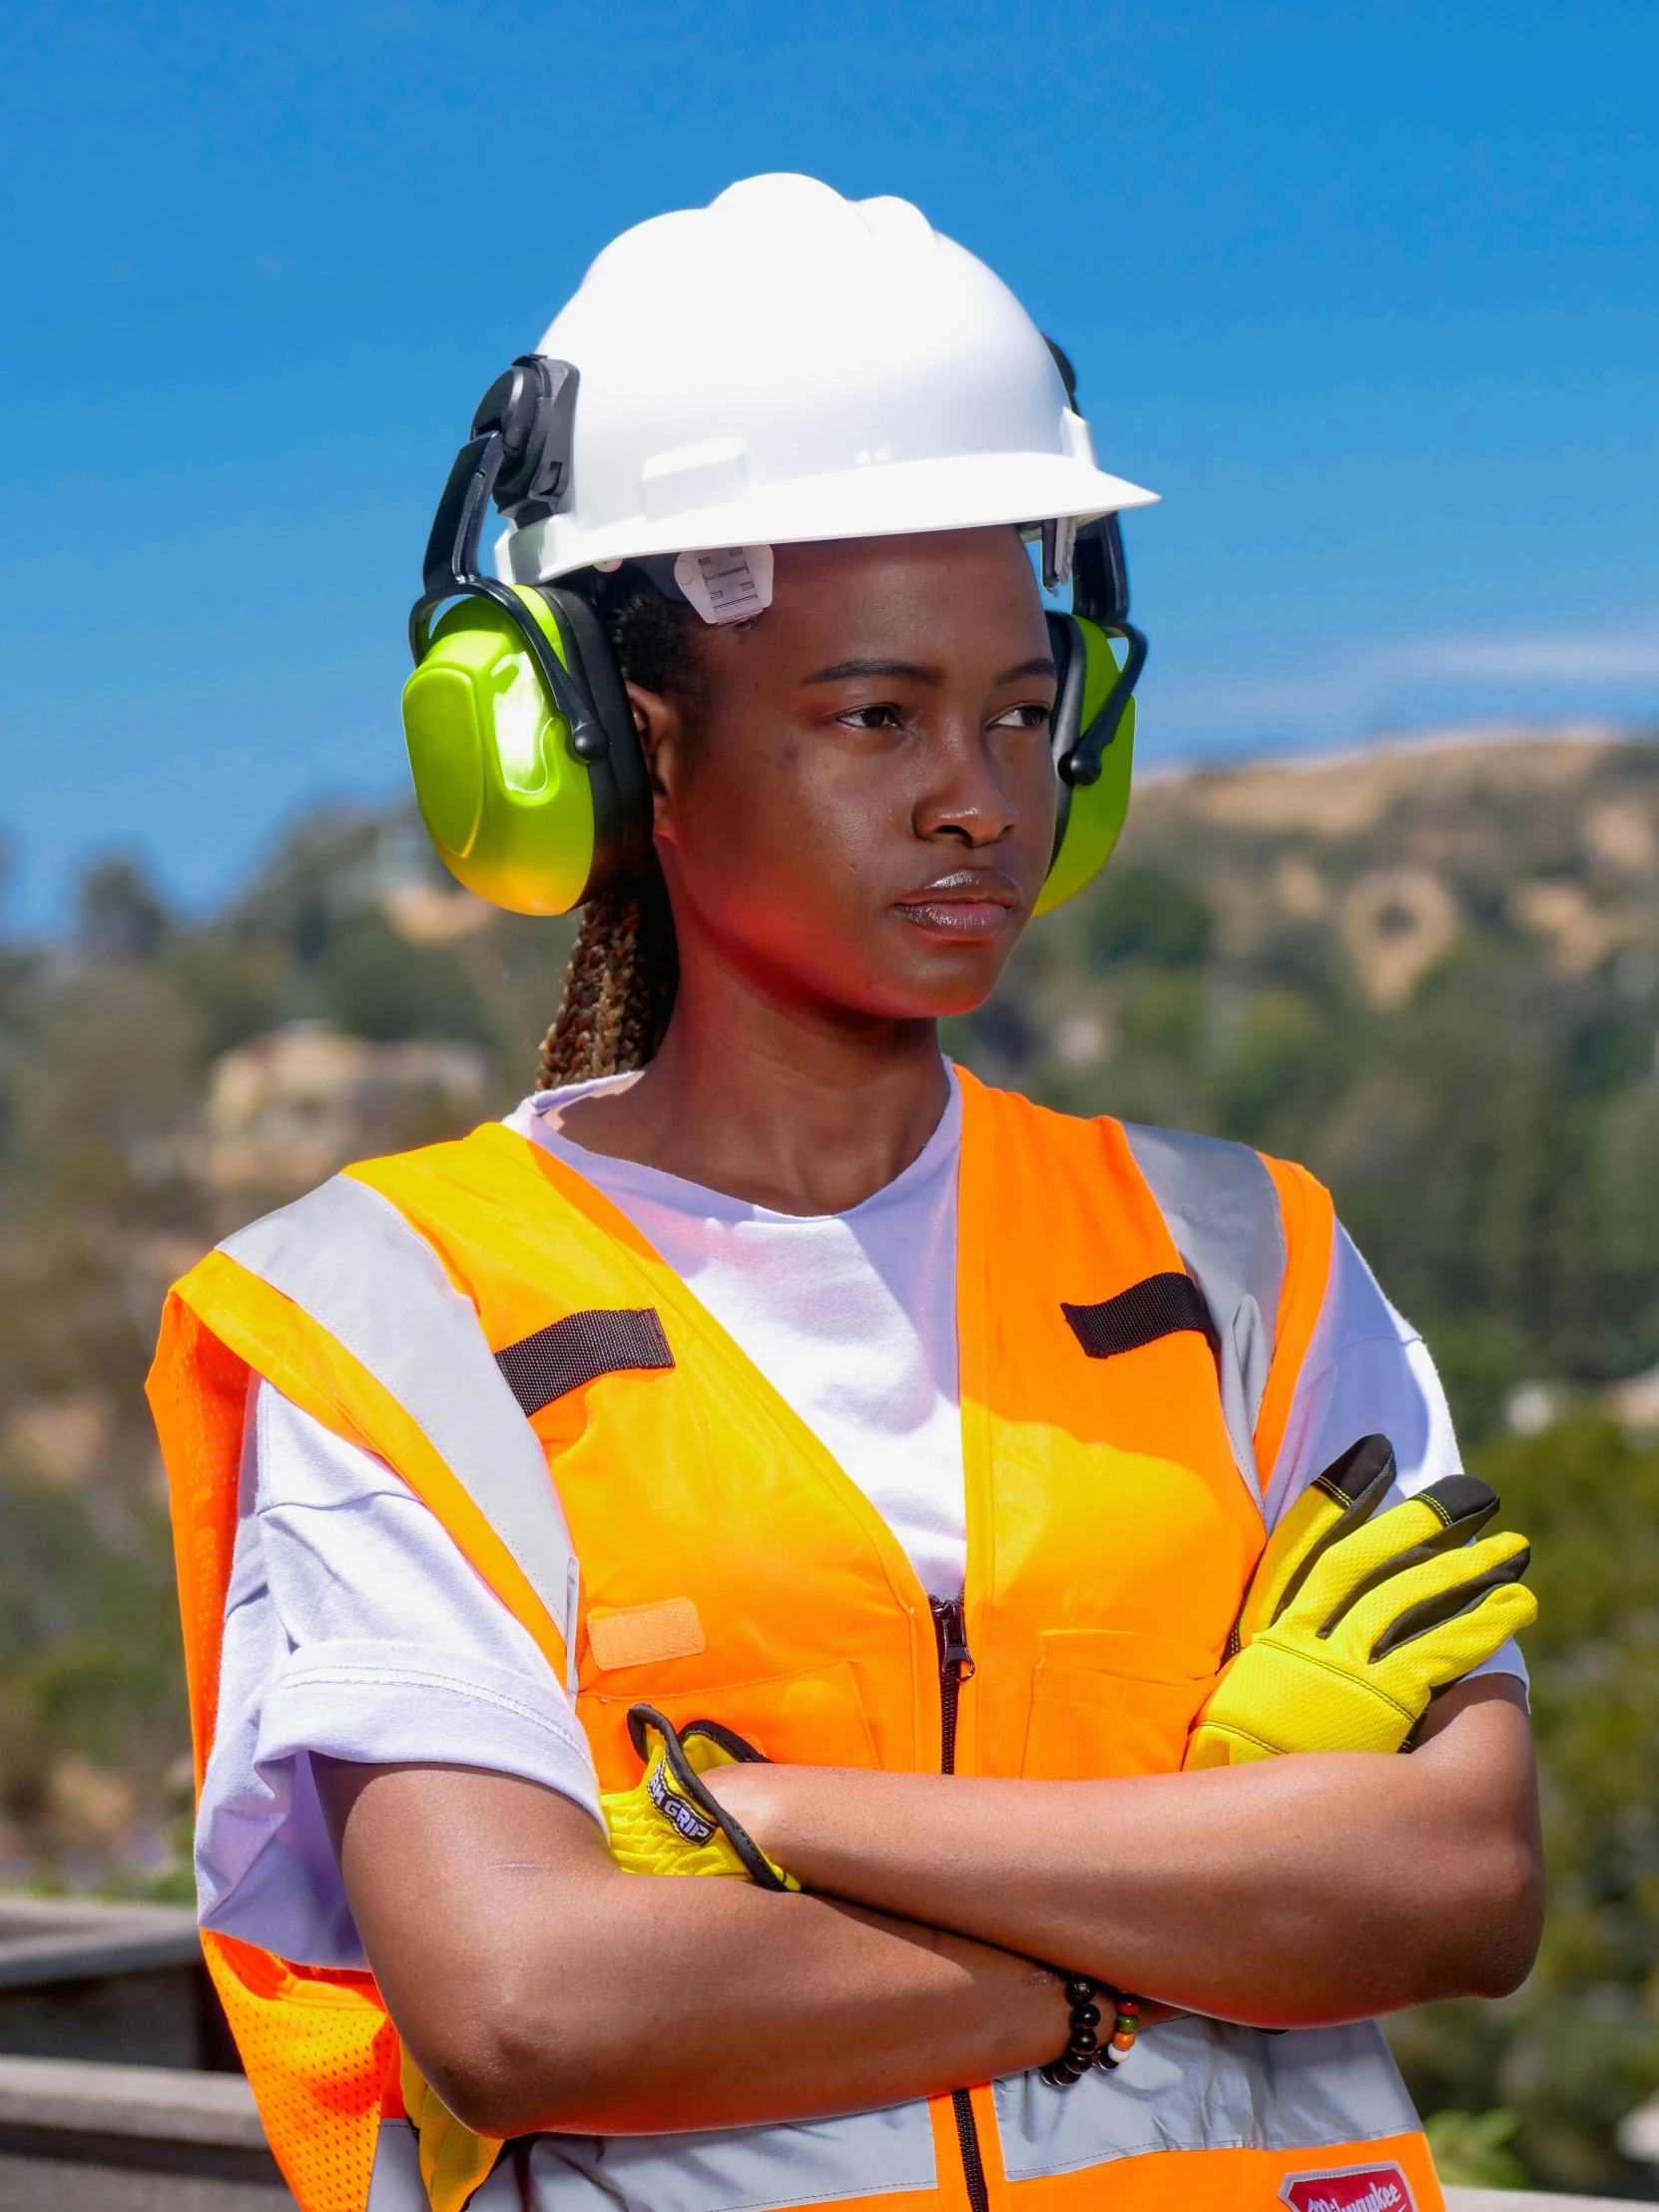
(540, 1988)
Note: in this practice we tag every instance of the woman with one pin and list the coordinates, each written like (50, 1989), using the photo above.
(808, 1329)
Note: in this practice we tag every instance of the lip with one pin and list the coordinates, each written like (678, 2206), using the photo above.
(970, 905)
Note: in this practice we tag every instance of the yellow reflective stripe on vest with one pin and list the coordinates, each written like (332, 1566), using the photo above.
(347, 1259)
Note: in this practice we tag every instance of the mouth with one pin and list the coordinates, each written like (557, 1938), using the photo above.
(969, 906)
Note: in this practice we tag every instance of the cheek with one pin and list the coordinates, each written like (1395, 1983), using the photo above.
(786, 830)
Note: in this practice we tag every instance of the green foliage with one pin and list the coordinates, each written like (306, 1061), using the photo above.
(1578, 2045)
(1469, 2149)
(372, 983)
(120, 915)
(1144, 915)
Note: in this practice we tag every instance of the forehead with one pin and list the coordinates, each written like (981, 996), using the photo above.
(935, 559)
(951, 595)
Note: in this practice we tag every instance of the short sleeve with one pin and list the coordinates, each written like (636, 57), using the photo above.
(354, 1628)
(1369, 1372)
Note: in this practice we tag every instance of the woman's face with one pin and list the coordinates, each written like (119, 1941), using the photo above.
(864, 813)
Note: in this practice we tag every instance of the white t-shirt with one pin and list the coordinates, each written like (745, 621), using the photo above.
(354, 1628)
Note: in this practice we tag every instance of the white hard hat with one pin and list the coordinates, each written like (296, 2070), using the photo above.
(786, 365)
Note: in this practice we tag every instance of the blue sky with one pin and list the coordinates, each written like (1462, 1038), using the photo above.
(1369, 293)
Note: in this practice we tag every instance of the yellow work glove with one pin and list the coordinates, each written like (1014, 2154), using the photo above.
(1353, 1623)
(453, 2161)
(669, 1822)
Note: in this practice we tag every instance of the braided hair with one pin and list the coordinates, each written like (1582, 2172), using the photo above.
(625, 966)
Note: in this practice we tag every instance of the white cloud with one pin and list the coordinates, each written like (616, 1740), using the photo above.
(1540, 655)
(1470, 675)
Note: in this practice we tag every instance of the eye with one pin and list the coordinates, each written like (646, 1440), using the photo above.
(884, 716)
(1032, 713)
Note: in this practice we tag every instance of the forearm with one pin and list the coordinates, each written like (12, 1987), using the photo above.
(551, 1992)
(1289, 1892)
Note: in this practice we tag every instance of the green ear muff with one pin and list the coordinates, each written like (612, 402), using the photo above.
(506, 801)
(1091, 811)
(1093, 730)
(527, 764)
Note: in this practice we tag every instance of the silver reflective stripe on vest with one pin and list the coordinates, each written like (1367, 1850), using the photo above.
(1199, 2085)
(395, 2184)
(346, 1258)
(755, 2169)
(1222, 1212)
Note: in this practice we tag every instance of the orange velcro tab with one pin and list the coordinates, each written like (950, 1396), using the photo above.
(644, 1635)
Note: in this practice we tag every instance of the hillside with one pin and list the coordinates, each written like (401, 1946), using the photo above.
(1431, 971)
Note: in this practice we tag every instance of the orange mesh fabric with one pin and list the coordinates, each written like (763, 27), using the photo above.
(318, 2047)
(319, 2050)
(198, 1394)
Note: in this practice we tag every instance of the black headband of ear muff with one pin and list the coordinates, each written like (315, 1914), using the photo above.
(519, 452)
(1099, 594)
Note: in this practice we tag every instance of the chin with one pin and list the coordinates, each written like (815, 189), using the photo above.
(942, 997)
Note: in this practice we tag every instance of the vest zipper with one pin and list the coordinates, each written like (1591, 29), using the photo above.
(955, 1668)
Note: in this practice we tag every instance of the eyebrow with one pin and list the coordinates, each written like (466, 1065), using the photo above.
(840, 671)
(916, 672)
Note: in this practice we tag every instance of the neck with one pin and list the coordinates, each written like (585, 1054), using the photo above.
(804, 1109)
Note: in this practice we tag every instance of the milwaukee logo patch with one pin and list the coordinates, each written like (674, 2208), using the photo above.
(674, 1809)
(1350, 2189)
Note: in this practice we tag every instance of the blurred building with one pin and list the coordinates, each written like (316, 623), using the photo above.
(286, 1111)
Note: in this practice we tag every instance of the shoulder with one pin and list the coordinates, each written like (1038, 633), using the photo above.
(1230, 1208)
(1178, 1157)
(387, 1205)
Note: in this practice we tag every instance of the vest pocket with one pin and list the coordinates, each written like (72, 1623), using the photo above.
(1108, 1702)
(814, 1718)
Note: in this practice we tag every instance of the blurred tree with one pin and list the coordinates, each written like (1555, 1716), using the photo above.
(1578, 2047)
(371, 983)
(1469, 2151)
(1142, 914)
(119, 913)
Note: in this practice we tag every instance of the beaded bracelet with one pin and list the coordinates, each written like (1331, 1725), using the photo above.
(1084, 2047)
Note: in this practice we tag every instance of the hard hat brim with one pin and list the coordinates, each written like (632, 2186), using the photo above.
(885, 499)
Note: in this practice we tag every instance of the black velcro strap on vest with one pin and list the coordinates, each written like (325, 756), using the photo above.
(1162, 1305)
(569, 1353)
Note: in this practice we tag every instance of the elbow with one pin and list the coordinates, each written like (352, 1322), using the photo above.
(517, 2069)
(1501, 1921)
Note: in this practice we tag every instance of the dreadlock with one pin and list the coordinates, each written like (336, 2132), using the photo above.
(625, 966)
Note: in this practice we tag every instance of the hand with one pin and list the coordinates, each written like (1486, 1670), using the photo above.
(1350, 1624)
(669, 1822)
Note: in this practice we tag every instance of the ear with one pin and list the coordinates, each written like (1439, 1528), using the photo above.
(662, 741)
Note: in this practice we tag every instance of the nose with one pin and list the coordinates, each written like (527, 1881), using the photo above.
(965, 796)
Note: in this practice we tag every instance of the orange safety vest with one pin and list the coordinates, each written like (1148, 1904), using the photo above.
(1134, 1308)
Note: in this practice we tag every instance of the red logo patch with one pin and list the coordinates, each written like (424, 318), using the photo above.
(1350, 2189)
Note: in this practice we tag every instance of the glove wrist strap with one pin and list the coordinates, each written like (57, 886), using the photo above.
(689, 1785)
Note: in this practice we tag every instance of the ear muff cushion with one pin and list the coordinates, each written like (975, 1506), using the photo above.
(621, 787)
(507, 803)
(1094, 811)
